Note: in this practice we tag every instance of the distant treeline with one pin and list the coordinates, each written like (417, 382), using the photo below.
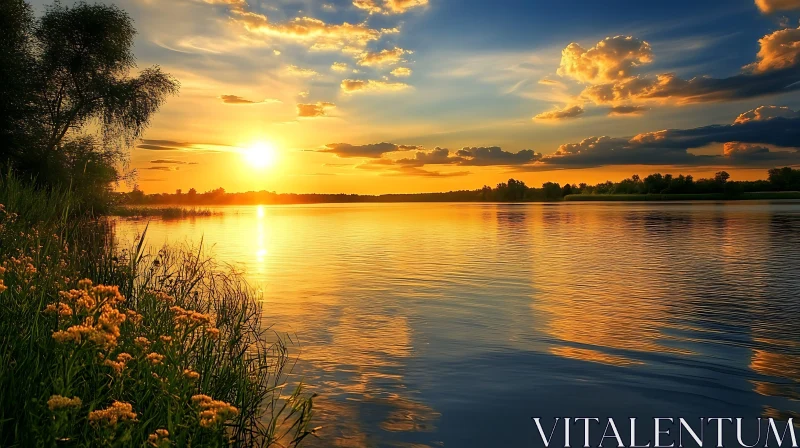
(779, 179)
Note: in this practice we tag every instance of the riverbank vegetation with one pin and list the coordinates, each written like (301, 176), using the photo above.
(781, 183)
(103, 345)
(162, 212)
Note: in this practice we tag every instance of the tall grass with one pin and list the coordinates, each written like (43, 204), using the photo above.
(102, 346)
(162, 212)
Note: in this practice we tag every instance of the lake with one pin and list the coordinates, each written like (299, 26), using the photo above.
(428, 325)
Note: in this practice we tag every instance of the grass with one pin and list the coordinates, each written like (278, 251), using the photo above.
(681, 197)
(172, 350)
(162, 212)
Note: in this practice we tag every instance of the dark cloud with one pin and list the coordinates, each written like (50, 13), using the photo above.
(627, 110)
(162, 168)
(374, 150)
(697, 90)
(235, 99)
(416, 171)
(172, 161)
(487, 156)
(172, 145)
(746, 144)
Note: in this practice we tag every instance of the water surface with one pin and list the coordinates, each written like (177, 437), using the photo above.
(426, 325)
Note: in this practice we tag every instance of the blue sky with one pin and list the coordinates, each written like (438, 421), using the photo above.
(258, 83)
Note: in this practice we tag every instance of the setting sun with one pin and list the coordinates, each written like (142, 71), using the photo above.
(261, 155)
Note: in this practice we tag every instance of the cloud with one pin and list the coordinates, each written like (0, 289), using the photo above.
(572, 112)
(494, 155)
(762, 113)
(383, 57)
(612, 59)
(550, 82)
(696, 90)
(171, 145)
(415, 171)
(234, 99)
(375, 150)
(301, 72)
(340, 67)
(626, 110)
(168, 161)
(779, 50)
(371, 85)
(313, 110)
(388, 6)
(738, 148)
(162, 168)
(315, 33)
(744, 144)
(401, 72)
(769, 6)
(609, 72)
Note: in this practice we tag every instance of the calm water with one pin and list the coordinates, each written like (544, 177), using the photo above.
(454, 324)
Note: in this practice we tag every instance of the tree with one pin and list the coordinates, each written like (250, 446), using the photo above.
(16, 73)
(79, 60)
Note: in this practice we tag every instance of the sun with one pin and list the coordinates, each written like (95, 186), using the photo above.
(261, 155)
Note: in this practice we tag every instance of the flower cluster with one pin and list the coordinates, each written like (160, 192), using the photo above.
(119, 364)
(213, 412)
(191, 374)
(155, 358)
(2, 273)
(57, 402)
(187, 317)
(110, 416)
(159, 438)
(104, 333)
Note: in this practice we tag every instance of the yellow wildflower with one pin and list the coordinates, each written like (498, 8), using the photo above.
(164, 297)
(60, 308)
(213, 411)
(3, 287)
(158, 438)
(155, 358)
(134, 317)
(166, 339)
(119, 364)
(57, 402)
(191, 374)
(118, 411)
(212, 332)
(142, 341)
(186, 317)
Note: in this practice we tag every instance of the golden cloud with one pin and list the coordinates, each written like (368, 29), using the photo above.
(388, 6)
(340, 67)
(313, 110)
(763, 113)
(571, 112)
(371, 85)
(235, 99)
(779, 50)
(318, 34)
(301, 72)
(738, 148)
(768, 6)
(612, 59)
(401, 72)
(383, 57)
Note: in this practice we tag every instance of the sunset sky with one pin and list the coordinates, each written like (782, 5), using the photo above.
(378, 96)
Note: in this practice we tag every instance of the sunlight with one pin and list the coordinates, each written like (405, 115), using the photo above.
(261, 155)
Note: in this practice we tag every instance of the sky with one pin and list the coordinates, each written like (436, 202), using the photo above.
(403, 96)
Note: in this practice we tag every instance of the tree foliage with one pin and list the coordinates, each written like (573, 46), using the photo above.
(72, 104)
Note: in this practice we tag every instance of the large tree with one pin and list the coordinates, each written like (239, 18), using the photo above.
(80, 81)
